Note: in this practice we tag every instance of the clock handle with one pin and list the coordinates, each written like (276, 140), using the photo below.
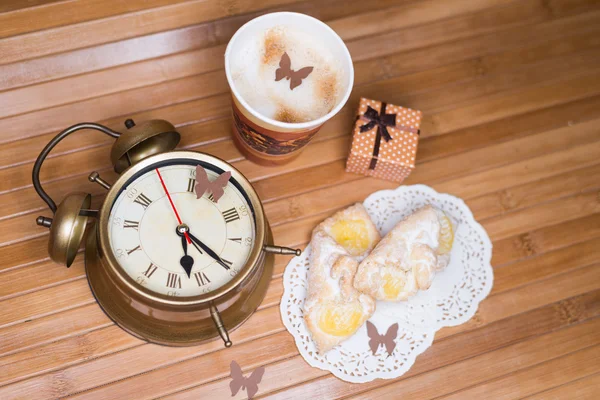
(214, 313)
(37, 166)
(67, 226)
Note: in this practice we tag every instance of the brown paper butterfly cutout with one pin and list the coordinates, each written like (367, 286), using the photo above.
(239, 381)
(388, 340)
(215, 187)
(286, 71)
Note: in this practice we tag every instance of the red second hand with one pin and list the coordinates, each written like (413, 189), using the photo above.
(172, 204)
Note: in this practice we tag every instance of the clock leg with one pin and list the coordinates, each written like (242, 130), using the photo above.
(281, 250)
(214, 313)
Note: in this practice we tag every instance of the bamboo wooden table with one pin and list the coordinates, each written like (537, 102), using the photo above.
(511, 96)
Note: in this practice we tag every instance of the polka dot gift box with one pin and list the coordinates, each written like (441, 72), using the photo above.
(385, 140)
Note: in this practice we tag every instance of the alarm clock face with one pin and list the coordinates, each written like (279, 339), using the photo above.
(182, 228)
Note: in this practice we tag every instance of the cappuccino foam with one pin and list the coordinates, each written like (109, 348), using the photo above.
(253, 70)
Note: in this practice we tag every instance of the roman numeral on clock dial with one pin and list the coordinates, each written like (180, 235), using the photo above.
(145, 244)
(201, 278)
(131, 224)
(227, 261)
(151, 269)
(143, 200)
(174, 281)
(134, 249)
(230, 215)
(191, 184)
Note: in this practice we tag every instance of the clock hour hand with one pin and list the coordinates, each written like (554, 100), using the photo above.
(208, 251)
(186, 261)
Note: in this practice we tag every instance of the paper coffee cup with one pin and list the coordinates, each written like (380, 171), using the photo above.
(266, 140)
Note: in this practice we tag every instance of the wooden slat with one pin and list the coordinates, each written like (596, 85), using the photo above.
(297, 210)
(338, 196)
(422, 58)
(510, 17)
(118, 332)
(328, 386)
(487, 81)
(476, 214)
(177, 378)
(510, 127)
(85, 86)
(492, 316)
(275, 219)
(58, 117)
(34, 305)
(583, 389)
(511, 100)
(580, 205)
(415, 13)
(498, 106)
(12, 5)
(519, 125)
(553, 373)
(546, 265)
(109, 55)
(60, 13)
(305, 205)
(464, 70)
(483, 367)
(292, 370)
(534, 167)
(40, 275)
(36, 44)
(531, 193)
(546, 239)
(562, 7)
(17, 174)
(192, 63)
(76, 293)
(429, 148)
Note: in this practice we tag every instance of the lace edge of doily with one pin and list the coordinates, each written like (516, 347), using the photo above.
(431, 332)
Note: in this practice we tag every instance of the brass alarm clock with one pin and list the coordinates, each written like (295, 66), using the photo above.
(180, 250)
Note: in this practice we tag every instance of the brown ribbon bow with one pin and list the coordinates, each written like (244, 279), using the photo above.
(382, 121)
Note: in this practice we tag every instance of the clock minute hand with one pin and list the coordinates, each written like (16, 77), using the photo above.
(162, 182)
(208, 251)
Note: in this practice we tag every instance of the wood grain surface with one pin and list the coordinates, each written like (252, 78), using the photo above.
(510, 91)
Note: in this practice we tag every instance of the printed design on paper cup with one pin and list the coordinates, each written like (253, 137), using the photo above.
(266, 144)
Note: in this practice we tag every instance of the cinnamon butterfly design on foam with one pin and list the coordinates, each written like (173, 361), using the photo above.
(239, 381)
(285, 71)
(216, 187)
(388, 340)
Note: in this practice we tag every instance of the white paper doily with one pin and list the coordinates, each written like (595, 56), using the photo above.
(451, 300)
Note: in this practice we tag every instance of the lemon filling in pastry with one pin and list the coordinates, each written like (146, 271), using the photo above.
(340, 320)
(352, 235)
(334, 310)
(353, 229)
(446, 237)
(392, 285)
(407, 258)
(351, 266)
